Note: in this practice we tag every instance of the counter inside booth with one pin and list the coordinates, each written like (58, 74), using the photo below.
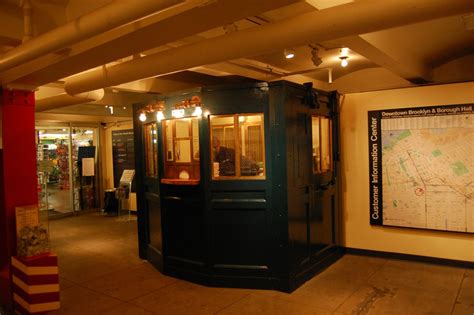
(228, 184)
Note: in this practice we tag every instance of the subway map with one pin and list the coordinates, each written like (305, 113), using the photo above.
(427, 168)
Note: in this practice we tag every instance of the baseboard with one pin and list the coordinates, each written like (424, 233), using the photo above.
(409, 257)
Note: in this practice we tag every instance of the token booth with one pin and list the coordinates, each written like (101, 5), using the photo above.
(237, 185)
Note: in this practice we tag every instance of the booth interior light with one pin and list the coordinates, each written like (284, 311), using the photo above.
(142, 116)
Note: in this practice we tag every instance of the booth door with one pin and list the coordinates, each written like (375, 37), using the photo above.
(323, 219)
(151, 244)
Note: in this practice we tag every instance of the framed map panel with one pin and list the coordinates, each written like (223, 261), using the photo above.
(421, 167)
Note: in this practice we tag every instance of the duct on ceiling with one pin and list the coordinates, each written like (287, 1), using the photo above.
(63, 100)
(103, 19)
(341, 21)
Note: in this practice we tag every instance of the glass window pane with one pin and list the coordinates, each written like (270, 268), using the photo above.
(169, 140)
(322, 144)
(182, 128)
(326, 144)
(223, 157)
(183, 151)
(195, 133)
(151, 156)
(251, 131)
(316, 145)
(229, 137)
(181, 141)
(237, 146)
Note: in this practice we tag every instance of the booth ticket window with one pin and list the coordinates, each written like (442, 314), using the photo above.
(237, 146)
(151, 148)
(322, 144)
(181, 145)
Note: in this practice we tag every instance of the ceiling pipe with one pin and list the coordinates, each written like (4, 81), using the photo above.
(27, 20)
(345, 20)
(63, 100)
(191, 16)
(103, 19)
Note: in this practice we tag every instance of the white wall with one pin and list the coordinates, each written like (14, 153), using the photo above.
(357, 232)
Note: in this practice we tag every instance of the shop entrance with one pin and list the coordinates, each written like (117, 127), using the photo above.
(63, 189)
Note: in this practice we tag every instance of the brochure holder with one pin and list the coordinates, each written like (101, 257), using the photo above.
(123, 191)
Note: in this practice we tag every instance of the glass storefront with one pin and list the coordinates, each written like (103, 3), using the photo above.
(62, 189)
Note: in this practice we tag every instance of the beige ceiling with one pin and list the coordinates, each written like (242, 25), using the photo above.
(435, 50)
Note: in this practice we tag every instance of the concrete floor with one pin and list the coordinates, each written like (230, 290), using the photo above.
(100, 273)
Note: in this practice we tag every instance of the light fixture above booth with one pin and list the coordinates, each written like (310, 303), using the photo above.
(157, 106)
(183, 108)
(187, 107)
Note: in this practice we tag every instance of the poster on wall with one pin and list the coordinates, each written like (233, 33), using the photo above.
(123, 154)
(421, 167)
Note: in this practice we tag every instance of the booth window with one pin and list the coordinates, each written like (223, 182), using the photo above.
(181, 150)
(237, 146)
(322, 144)
(151, 150)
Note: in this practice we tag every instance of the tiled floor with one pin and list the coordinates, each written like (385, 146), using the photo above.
(101, 274)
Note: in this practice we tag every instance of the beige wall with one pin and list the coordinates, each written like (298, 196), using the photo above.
(107, 166)
(357, 232)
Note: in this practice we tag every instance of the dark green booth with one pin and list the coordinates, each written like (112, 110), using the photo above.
(237, 185)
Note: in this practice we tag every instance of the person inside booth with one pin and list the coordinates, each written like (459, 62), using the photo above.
(226, 159)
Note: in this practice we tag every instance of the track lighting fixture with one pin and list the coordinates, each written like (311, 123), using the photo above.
(289, 53)
(315, 58)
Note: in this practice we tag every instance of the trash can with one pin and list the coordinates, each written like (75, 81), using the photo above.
(110, 202)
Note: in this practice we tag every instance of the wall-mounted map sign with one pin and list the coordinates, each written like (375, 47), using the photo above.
(422, 167)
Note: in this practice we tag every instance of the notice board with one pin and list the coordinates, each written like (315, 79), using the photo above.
(421, 167)
(123, 154)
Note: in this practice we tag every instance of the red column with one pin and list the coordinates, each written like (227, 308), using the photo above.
(18, 180)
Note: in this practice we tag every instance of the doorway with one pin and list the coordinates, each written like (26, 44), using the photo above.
(62, 188)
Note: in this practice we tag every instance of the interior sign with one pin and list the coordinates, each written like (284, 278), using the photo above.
(375, 156)
(421, 167)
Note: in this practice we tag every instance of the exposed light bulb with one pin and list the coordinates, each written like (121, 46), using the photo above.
(344, 62)
(289, 53)
(159, 115)
(197, 111)
(142, 117)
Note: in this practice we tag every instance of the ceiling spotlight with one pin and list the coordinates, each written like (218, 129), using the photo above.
(289, 53)
(344, 56)
(344, 61)
(142, 116)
